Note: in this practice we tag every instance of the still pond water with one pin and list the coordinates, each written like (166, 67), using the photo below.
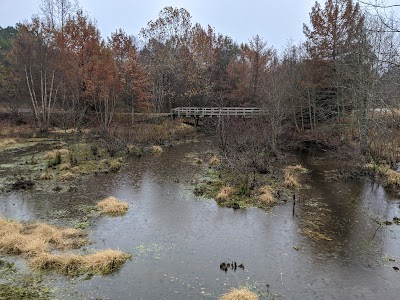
(178, 240)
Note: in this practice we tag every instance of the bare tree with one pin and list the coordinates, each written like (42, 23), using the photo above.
(57, 12)
(36, 57)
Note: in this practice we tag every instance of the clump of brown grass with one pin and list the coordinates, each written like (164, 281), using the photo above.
(157, 149)
(45, 176)
(67, 176)
(115, 165)
(239, 294)
(214, 160)
(101, 262)
(290, 180)
(392, 178)
(58, 237)
(33, 239)
(37, 240)
(296, 169)
(105, 261)
(225, 193)
(53, 153)
(266, 195)
(290, 176)
(6, 142)
(65, 167)
(112, 206)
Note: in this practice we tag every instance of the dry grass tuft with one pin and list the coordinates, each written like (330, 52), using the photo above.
(70, 265)
(266, 195)
(6, 142)
(239, 294)
(115, 165)
(101, 262)
(290, 180)
(67, 176)
(112, 206)
(157, 149)
(225, 193)
(37, 240)
(53, 153)
(33, 239)
(297, 169)
(65, 167)
(392, 178)
(106, 261)
(60, 238)
(214, 160)
(290, 175)
(45, 176)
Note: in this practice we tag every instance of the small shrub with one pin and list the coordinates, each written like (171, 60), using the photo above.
(112, 206)
(113, 146)
(239, 294)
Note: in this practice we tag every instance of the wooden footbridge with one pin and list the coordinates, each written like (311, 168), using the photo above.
(198, 113)
(201, 112)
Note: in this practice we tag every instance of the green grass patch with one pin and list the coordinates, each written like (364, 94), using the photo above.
(13, 292)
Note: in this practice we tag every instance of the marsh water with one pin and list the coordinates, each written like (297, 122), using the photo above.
(179, 240)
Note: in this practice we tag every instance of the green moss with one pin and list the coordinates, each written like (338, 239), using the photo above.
(15, 287)
(80, 224)
(11, 292)
(7, 269)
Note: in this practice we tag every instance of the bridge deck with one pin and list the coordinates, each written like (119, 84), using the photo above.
(217, 111)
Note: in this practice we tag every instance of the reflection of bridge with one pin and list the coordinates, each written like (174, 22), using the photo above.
(200, 112)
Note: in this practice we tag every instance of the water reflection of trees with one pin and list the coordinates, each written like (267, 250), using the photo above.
(328, 210)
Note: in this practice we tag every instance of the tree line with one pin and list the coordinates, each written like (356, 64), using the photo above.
(340, 84)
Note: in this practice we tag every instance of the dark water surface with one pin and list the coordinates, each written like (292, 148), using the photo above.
(178, 240)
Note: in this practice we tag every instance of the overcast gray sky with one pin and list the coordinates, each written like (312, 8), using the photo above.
(276, 21)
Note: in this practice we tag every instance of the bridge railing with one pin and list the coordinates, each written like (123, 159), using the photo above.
(217, 111)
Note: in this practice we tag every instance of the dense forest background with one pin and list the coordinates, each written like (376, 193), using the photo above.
(340, 86)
